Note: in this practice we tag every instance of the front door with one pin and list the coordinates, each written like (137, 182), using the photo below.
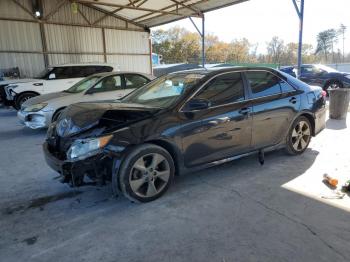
(60, 78)
(109, 88)
(223, 129)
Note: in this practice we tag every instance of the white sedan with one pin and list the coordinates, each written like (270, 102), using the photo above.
(39, 112)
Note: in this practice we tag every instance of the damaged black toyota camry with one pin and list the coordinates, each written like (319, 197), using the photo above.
(182, 122)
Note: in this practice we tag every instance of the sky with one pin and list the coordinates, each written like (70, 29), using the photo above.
(260, 20)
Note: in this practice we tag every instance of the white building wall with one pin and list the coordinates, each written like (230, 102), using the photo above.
(69, 38)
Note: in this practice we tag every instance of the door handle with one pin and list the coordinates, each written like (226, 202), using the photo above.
(293, 100)
(244, 111)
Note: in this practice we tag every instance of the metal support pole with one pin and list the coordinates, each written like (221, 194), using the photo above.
(44, 45)
(203, 42)
(202, 34)
(300, 12)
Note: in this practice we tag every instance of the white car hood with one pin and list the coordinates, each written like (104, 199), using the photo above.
(45, 98)
(15, 81)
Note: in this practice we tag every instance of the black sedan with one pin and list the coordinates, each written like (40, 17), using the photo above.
(321, 75)
(182, 122)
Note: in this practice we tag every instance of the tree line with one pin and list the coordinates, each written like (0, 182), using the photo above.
(178, 45)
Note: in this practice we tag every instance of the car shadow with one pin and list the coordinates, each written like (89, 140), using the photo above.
(22, 132)
(6, 112)
(336, 124)
(278, 169)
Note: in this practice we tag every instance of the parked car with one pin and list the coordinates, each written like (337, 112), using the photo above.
(4, 83)
(40, 111)
(54, 79)
(182, 122)
(289, 70)
(321, 75)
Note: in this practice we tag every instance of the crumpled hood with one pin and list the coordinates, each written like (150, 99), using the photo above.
(105, 114)
(44, 98)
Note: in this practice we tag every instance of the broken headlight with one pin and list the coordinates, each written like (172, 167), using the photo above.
(83, 148)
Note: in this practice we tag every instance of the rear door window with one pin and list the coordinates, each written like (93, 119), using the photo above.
(102, 69)
(263, 83)
(82, 71)
(133, 81)
(63, 72)
(224, 89)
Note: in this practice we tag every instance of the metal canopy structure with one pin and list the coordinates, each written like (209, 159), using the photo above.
(300, 13)
(150, 13)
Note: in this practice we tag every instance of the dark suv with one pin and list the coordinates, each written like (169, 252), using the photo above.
(182, 122)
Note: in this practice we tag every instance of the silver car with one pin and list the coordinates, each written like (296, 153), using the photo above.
(39, 112)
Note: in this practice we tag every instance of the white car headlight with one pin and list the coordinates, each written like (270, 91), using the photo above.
(83, 148)
(35, 108)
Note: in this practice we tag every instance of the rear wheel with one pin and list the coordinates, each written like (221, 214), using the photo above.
(22, 98)
(146, 173)
(299, 136)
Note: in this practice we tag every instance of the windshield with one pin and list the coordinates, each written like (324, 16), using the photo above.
(164, 91)
(83, 85)
(43, 74)
(326, 68)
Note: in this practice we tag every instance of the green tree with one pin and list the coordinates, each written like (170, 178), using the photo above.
(342, 30)
(275, 50)
(325, 43)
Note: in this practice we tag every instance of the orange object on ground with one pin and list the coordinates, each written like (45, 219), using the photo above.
(330, 180)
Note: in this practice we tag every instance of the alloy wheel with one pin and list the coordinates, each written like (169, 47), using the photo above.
(149, 175)
(301, 136)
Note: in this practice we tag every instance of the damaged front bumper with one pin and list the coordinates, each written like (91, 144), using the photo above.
(93, 170)
(35, 120)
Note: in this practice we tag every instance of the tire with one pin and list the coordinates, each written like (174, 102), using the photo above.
(299, 136)
(151, 166)
(22, 98)
(333, 84)
(56, 115)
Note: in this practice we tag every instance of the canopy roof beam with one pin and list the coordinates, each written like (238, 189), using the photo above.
(131, 7)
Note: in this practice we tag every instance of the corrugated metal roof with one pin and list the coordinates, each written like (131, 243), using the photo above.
(152, 13)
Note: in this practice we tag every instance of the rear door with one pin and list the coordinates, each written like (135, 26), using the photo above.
(223, 129)
(275, 103)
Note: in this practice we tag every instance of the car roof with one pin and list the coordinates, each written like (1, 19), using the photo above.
(218, 70)
(84, 64)
(104, 74)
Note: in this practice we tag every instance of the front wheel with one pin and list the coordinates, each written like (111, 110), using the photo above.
(56, 115)
(146, 173)
(299, 136)
(22, 98)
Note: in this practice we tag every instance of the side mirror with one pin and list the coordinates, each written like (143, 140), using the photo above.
(197, 104)
(52, 76)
